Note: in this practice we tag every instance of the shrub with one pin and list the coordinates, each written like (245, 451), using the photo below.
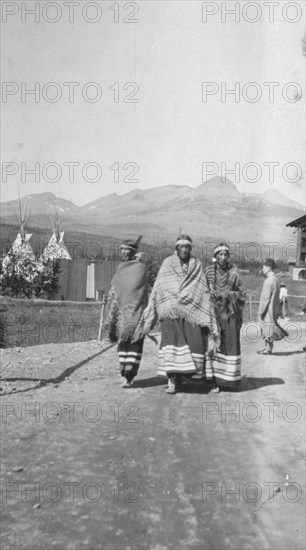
(18, 271)
(22, 275)
(46, 282)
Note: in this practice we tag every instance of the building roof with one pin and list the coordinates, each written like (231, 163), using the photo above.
(299, 222)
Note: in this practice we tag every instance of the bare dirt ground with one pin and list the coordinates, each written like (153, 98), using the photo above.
(89, 465)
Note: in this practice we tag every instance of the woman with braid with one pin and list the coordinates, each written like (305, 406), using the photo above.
(228, 298)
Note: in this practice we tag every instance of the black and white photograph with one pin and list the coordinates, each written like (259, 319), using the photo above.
(152, 275)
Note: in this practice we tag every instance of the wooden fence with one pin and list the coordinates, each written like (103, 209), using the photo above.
(294, 305)
(74, 278)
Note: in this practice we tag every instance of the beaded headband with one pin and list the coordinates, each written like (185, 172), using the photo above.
(221, 248)
(183, 241)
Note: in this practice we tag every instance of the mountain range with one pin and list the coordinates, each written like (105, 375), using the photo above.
(214, 210)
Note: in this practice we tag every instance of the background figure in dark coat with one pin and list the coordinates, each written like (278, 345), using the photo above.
(269, 308)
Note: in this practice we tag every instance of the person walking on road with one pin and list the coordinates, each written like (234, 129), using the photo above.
(283, 299)
(180, 302)
(128, 298)
(228, 298)
(269, 309)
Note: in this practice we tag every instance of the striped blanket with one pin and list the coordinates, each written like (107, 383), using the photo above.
(178, 295)
(128, 297)
(228, 297)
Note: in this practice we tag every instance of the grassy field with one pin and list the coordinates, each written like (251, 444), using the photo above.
(30, 322)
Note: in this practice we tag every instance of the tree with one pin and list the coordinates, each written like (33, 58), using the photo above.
(46, 282)
(154, 256)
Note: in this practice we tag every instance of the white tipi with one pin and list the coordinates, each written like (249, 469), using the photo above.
(56, 248)
(21, 244)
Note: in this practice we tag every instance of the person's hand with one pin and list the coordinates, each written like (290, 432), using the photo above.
(212, 349)
(213, 344)
(112, 336)
(225, 293)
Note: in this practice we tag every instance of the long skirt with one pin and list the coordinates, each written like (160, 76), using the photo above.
(225, 366)
(182, 348)
(129, 358)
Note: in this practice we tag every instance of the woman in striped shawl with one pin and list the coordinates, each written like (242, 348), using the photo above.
(180, 302)
(228, 297)
(128, 297)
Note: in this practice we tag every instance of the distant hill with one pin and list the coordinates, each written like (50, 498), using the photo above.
(216, 186)
(39, 206)
(275, 197)
(215, 209)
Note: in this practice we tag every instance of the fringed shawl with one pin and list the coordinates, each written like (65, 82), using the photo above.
(227, 293)
(179, 296)
(128, 297)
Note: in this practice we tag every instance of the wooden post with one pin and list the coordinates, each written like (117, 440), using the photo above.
(250, 305)
(299, 259)
(101, 315)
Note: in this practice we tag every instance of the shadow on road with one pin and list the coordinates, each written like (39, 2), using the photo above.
(247, 384)
(286, 353)
(43, 382)
(190, 386)
(254, 383)
(150, 382)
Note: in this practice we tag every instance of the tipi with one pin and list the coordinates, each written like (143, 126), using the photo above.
(21, 244)
(56, 248)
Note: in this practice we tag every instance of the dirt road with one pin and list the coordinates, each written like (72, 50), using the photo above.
(89, 465)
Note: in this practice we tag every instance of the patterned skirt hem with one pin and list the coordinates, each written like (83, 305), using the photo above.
(224, 369)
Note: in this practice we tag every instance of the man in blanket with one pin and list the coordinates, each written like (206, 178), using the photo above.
(180, 302)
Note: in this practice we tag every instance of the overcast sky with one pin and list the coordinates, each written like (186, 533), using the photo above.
(170, 131)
